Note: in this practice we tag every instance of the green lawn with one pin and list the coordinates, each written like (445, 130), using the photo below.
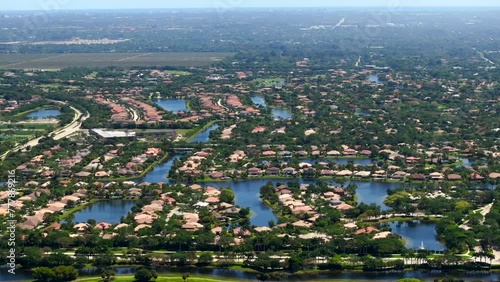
(166, 277)
(175, 72)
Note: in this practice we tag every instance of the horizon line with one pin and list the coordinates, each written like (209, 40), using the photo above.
(243, 8)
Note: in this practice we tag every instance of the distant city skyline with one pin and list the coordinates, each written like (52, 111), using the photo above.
(54, 5)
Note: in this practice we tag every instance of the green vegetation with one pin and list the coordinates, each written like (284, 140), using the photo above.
(95, 60)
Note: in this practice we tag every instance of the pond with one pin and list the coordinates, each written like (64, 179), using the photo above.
(281, 114)
(44, 114)
(465, 162)
(418, 234)
(247, 194)
(374, 79)
(24, 275)
(109, 211)
(204, 136)
(373, 192)
(172, 105)
(259, 100)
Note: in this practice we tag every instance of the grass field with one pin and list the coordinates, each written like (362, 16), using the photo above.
(59, 61)
(167, 278)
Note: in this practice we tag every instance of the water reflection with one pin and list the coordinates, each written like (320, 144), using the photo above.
(172, 105)
(44, 114)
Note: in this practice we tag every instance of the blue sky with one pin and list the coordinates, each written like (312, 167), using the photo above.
(146, 4)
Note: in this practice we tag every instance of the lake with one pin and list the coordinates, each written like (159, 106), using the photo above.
(417, 234)
(44, 114)
(247, 191)
(204, 136)
(373, 192)
(109, 211)
(172, 105)
(281, 114)
(259, 100)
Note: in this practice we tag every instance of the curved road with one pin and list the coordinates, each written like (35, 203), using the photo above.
(58, 133)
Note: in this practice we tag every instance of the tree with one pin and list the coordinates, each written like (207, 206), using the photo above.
(108, 275)
(205, 258)
(57, 274)
(295, 263)
(185, 276)
(65, 273)
(43, 274)
(143, 275)
(409, 280)
(227, 195)
(263, 277)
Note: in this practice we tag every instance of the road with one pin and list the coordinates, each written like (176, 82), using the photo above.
(58, 133)
(481, 54)
(71, 128)
(358, 62)
(339, 23)
(484, 211)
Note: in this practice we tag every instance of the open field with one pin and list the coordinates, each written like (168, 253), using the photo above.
(59, 61)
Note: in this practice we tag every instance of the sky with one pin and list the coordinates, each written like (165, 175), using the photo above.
(54, 5)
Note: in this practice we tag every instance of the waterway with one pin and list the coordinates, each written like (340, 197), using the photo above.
(44, 114)
(204, 136)
(109, 211)
(172, 105)
(23, 275)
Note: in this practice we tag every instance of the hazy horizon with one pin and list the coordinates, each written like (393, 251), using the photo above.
(54, 5)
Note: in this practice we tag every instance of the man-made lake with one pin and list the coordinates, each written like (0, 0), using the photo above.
(23, 275)
(373, 192)
(161, 171)
(418, 234)
(374, 79)
(247, 191)
(204, 136)
(44, 114)
(172, 105)
(259, 100)
(281, 114)
(109, 211)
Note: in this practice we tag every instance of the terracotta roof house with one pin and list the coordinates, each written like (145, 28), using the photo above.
(192, 226)
(302, 224)
(242, 232)
(274, 171)
(399, 175)
(494, 175)
(343, 207)
(454, 177)
(103, 225)
(476, 176)
(436, 176)
(366, 230)
(366, 153)
(80, 227)
(349, 152)
(254, 171)
(141, 226)
(417, 177)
